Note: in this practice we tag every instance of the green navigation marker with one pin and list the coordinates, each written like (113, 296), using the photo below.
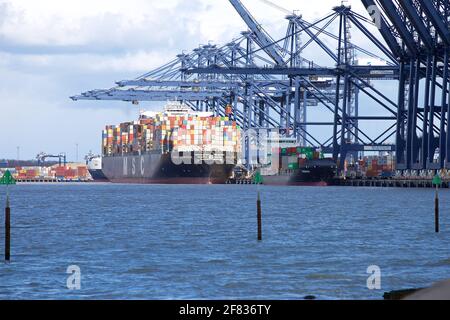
(7, 179)
(437, 181)
(258, 179)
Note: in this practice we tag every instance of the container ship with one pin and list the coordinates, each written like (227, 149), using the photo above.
(94, 166)
(300, 166)
(176, 146)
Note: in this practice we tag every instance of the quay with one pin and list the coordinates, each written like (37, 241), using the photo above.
(51, 181)
(390, 183)
(241, 181)
(366, 182)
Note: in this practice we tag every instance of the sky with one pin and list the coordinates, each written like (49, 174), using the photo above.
(51, 50)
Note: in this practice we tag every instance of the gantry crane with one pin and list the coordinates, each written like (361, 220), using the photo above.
(41, 157)
(260, 77)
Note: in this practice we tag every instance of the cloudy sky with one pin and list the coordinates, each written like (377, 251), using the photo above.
(50, 50)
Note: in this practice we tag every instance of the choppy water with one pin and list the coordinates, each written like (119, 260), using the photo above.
(199, 242)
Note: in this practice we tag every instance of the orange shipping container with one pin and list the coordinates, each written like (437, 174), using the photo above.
(82, 172)
(60, 171)
(70, 173)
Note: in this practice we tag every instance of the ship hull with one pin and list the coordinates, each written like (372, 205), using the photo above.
(319, 173)
(156, 168)
(280, 180)
(98, 175)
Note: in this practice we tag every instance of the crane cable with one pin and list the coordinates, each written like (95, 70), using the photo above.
(276, 6)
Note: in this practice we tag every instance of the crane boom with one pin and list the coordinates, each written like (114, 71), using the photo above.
(263, 39)
(42, 156)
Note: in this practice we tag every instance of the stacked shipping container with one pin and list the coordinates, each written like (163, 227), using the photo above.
(165, 132)
(372, 166)
(73, 172)
(294, 157)
(375, 166)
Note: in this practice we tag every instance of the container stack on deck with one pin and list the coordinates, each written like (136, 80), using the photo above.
(295, 157)
(372, 167)
(164, 133)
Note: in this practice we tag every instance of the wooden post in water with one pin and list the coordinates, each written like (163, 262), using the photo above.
(258, 209)
(7, 231)
(437, 182)
(436, 211)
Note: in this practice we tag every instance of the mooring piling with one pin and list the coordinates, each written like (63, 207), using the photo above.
(437, 181)
(7, 231)
(436, 211)
(259, 216)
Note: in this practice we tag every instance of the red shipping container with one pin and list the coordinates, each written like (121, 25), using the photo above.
(60, 171)
(31, 173)
(70, 173)
(82, 172)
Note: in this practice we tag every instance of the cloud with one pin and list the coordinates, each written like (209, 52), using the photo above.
(50, 50)
(103, 32)
(3, 12)
(117, 30)
(119, 26)
(81, 64)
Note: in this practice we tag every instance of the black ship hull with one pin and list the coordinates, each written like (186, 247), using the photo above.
(157, 168)
(98, 175)
(312, 173)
